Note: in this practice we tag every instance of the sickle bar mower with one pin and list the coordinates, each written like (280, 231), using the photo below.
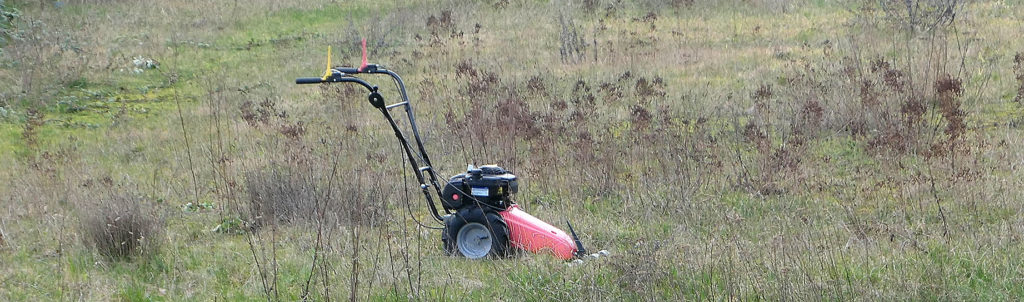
(479, 217)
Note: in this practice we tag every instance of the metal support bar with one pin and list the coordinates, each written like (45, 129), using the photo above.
(396, 105)
(412, 161)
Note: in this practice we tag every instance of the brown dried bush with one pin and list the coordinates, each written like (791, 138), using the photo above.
(302, 191)
(572, 46)
(949, 91)
(119, 227)
(1018, 72)
(266, 113)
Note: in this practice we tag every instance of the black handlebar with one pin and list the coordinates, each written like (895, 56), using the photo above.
(309, 81)
(347, 75)
(338, 76)
(347, 70)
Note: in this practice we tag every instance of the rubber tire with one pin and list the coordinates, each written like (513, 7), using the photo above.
(495, 224)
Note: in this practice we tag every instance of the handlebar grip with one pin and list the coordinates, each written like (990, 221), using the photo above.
(347, 70)
(309, 81)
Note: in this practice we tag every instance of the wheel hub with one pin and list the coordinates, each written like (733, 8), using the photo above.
(474, 241)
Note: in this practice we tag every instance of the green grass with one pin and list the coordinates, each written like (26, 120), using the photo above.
(689, 210)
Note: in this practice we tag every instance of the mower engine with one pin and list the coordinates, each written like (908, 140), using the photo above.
(489, 185)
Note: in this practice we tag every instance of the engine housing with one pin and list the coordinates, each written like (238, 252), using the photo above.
(490, 185)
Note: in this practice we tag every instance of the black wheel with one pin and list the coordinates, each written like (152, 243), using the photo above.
(473, 233)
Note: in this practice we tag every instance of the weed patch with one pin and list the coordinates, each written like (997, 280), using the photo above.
(119, 226)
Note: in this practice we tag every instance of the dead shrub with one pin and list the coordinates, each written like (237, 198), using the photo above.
(278, 195)
(754, 135)
(611, 92)
(762, 94)
(442, 27)
(34, 119)
(811, 117)
(919, 15)
(949, 91)
(641, 118)
(1018, 71)
(298, 192)
(119, 227)
(891, 115)
(912, 111)
(480, 83)
(572, 46)
(265, 113)
(776, 165)
(645, 89)
(536, 85)
(513, 112)
(583, 102)
(649, 18)
(491, 114)
(868, 96)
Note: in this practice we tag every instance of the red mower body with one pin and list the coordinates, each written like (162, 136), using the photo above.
(534, 235)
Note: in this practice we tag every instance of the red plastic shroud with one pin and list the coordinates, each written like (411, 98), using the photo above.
(535, 236)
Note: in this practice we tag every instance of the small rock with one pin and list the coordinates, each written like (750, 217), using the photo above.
(141, 63)
(576, 262)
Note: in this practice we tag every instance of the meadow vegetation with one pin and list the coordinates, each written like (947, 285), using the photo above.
(720, 150)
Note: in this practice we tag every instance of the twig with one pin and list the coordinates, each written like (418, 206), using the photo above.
(938, 203)
(263, 277)
(188, 146)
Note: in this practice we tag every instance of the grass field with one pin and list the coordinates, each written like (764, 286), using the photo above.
(719, 150)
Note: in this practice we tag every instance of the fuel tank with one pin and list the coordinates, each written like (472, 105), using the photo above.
(536, 236)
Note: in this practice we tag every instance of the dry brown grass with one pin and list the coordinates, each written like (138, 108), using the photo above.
(119, 225)
(780, 150)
